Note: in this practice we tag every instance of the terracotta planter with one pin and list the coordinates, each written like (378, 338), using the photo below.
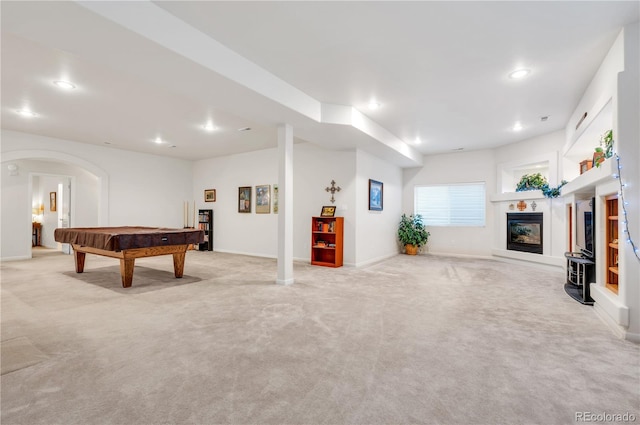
(598, 158)
(411, 249)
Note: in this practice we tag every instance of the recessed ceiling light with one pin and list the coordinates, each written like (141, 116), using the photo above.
(244, 129)
(545, 118)
(519, 73)
(417, 141)
(26, 113)
(209, 126)
(458, 149)
(64, 85)
(158, 141)
(373, 105)
(517, 126)
(107, 143)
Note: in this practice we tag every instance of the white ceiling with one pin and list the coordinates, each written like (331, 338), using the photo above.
(162, 69)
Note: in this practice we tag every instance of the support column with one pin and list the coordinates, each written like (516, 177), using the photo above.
(285, 205)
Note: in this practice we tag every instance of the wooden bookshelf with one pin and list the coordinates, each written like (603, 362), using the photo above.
(205, 222)
(611, 239)
(327, 236)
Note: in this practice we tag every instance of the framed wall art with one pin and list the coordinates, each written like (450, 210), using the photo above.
(210, 195)
(263, 199)
(52, 201)
(244, 199)
(275, 199)
(376, 192)
(328, 211)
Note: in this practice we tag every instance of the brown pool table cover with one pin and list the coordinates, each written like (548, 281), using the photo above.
(127, 237)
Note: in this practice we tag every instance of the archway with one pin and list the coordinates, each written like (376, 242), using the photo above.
(20, 247)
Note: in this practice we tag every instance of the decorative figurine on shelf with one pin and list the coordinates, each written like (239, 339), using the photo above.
(333, 189)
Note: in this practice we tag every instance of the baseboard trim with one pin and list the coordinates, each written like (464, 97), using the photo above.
(375, 260)
(451, 254)
(250, 254)
(285, 282)
(602, 314)
(635, 338)
(529, 258)
(22, 257)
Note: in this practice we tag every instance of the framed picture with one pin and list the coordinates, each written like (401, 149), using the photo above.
(263, 199)
(244, 199)
(375, 195)
(52, 201)
(585, 165)
(210, 195)
(328, 211)
(275, 199)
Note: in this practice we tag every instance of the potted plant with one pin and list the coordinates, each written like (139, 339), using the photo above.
(412, 233)
(605, 150)
(531, 182)
(539, 182)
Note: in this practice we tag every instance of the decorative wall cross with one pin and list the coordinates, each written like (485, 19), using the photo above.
(333, 189)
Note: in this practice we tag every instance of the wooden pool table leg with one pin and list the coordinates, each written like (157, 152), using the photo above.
(126, 271)
(178, 264)
(79, 257)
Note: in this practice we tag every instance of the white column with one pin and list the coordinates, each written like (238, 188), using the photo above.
(285, 205)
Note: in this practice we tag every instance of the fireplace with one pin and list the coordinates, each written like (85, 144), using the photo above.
(524, 232)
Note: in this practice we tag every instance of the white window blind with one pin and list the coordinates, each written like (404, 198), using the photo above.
(451, 204)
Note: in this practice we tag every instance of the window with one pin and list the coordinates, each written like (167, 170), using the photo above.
(451, 204)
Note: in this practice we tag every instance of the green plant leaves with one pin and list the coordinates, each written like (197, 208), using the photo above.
(412, 231)
(539, 182)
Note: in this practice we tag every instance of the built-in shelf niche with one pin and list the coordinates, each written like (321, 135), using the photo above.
(587, 136)
(509, 174)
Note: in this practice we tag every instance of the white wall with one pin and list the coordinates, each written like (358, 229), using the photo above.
(484, 165)
(617, 80)
(15, 220)
(313, 170)
(253, 234)
(628, 128)
(256, 234)
(545, 148)
(601, 89)
(376, 231)
(463, 167)
(143, 189)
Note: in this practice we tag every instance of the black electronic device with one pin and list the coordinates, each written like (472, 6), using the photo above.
(586, 227)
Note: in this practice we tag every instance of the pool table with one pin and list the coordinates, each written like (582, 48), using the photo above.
(128, 243)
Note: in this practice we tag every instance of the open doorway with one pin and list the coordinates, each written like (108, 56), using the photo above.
(51, 196)
(87, 199)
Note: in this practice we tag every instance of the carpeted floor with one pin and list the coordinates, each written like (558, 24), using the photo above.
(420, 340)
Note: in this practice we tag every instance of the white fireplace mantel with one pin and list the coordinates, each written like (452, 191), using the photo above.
(517, 196)
(553, 211)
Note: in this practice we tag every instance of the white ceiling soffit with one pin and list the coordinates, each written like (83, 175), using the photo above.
(156, 24)
(439, 68)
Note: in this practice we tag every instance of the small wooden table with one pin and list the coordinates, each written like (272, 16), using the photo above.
(36, 234)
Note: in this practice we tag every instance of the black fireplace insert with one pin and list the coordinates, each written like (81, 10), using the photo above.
(524, 232)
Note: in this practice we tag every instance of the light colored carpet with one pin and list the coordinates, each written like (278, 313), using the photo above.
(433, 340)
(19, 353)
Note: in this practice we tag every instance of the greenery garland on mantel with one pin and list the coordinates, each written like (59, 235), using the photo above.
(539, 182)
